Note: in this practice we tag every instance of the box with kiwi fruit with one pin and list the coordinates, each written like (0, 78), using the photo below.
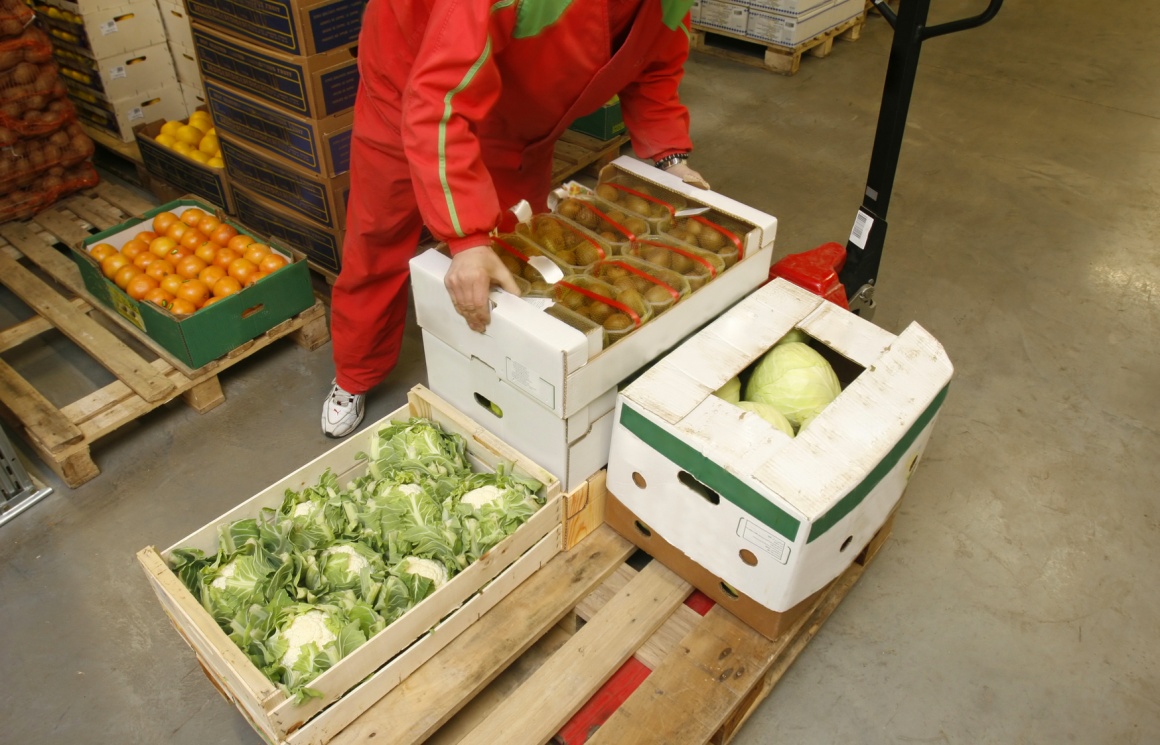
(696, 265)
(660, 288)
(572, 247)
(637, 195)
(610, 222)
(620, 312)
(711, 231)
(514, 251)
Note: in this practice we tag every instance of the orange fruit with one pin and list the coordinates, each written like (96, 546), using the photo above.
(114, 263)
(193, 290)
(190, 266)
(192, 216)
(158, 296)
(239, 243)
(161, 246)
(180, 307)
(206, 251)
(226, 286)
(225, 257)
(144, 259)
(223, 234)
(102, 251)
(192, 239)
(171, 283)
(125, 274)
(145, 235)
(177, 231)
(241, 269)
(140, 285)
(255, 277)
(177, 253)
(272, 263)
(208, 224)
(133, 248)
(162, 221)
(211, 301)
(159, 269)
(255, 252)
(211, 274)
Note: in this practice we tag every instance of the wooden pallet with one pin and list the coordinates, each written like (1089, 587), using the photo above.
(62, 436)
(576, 152)
(524, 669)
(777, 59)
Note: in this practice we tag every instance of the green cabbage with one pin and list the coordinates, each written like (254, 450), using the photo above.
(794, 335)
(769, 414)
(731, 391)
(795, 380)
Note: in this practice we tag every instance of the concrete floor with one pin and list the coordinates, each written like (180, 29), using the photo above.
(1012, 604)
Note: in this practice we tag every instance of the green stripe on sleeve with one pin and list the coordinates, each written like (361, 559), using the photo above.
(709, 473)
(454, 214)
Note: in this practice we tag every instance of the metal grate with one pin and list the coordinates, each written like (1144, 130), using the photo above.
(18, 491)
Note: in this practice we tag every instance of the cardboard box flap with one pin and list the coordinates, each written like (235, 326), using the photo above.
(677, 384)
(764, 222)
(863, 343)
(866, 429)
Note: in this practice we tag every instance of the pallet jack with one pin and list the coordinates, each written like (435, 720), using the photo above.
(847, 275)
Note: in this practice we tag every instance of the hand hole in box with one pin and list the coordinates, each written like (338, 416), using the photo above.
(846, 543)
(639, 480)
(251, 311)
(913, 464)
(489, 405)
(748, 557)
(642, 528)
(705, 492)
(729, 591)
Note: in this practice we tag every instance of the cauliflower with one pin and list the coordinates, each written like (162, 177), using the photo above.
(432, 570)
(356, 563)
(309, 628)
(477, 498)
(303, 509)
(223, 577)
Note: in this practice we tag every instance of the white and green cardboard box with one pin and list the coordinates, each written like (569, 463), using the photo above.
(775, 518)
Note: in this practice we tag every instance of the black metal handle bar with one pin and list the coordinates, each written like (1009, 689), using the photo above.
(943, 28)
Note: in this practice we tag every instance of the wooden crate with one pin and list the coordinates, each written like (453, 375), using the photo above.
(576, 152)
(538, 662)
(756, 53)
(63, 436)
(376, 668)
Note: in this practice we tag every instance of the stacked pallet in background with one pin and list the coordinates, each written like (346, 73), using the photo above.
(43, 151)
(281, 90)
(780, 31)
(115, 61)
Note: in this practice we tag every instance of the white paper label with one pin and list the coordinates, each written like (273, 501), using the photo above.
(763, 538)
(861, 231)
(136, 113)
(117, 72)
(545, 266)
(526, 380)
(108, 27)
(540, 303)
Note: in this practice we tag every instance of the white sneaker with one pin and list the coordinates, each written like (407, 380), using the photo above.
(342, 412)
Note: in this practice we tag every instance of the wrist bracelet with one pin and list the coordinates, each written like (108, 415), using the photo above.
(669, 161)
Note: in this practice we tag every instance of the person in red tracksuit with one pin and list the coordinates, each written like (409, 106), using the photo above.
(459, 105)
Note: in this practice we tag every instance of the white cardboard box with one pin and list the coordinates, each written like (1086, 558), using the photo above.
(786, 31)
(124, 75)
(113, 28)
(185, 63)
(695, 11)
(800, 508)
(177, 28)
(717, 14)
(792, 8)
(554, 363)
(121, 116)
(570, 449)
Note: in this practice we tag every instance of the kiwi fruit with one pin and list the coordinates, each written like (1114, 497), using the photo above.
(636, 226)
(658, 295)
(637, 204)
(512, 264)
(588, 254)
(569, 207)
(693, 227)
(625, 283)
(656, 255)
(553, 243)
(608, 193)
(608, 235)
(587, 218)
(572, 299)
(567, 255)
(613, 273)
(712, 240)
(531, 274)
(659, 210)
(599, 311)
(540, 287)
(632, 298)
(617, 322)
(617, 216)
(680, 264)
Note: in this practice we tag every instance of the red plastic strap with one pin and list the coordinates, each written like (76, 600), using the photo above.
(672, 210)
(580, 233)
(683, 252)
(723, 231)
(511, 249)
(655, 280)
(606, 300)
(623, 230)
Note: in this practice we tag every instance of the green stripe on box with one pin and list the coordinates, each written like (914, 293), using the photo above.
(847, 503)
(710, 474)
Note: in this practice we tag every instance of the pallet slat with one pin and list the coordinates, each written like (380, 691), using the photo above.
(771, 56)
(28, 329)
(95, 339)
(35, 412)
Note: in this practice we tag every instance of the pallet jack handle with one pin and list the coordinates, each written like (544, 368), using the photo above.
(859, 274)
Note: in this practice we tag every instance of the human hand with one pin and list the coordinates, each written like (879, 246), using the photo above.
(469, 280)
(682, 171)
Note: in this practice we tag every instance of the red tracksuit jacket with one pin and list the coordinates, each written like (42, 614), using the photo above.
(485, 87)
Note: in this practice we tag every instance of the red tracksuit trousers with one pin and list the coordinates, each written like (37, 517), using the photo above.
(369, 299)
